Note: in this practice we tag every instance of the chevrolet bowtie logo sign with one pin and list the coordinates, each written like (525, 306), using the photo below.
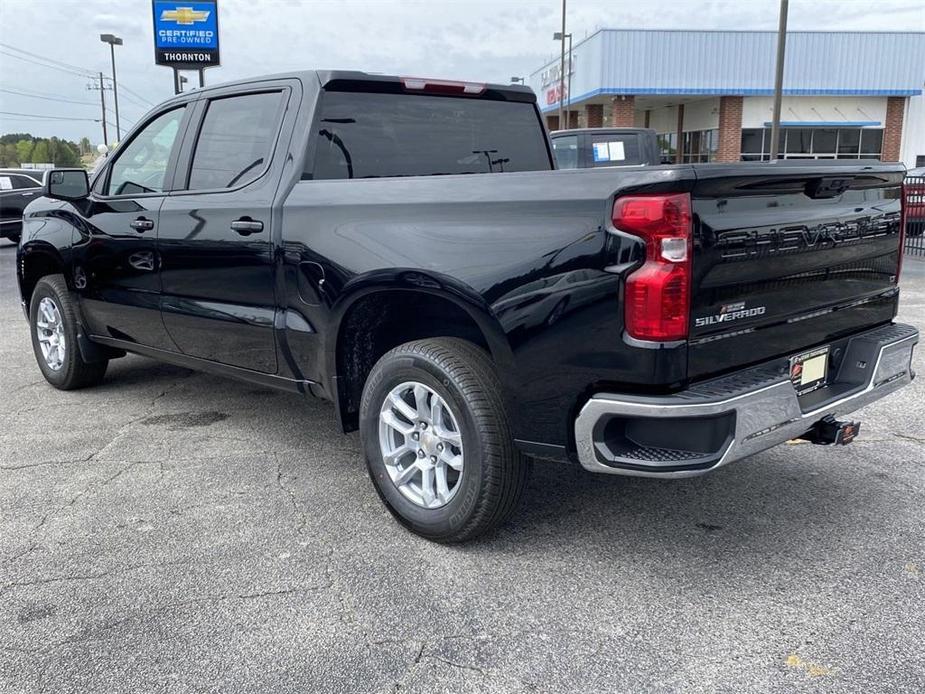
(185, 33)
(185, 15)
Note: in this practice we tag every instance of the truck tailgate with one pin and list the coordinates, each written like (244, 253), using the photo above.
(790, 256)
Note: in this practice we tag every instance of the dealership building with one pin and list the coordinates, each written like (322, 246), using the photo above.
(709, 94)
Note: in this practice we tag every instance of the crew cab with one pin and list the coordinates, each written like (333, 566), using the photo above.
(406, 249)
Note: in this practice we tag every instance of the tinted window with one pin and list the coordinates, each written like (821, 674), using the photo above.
(871, 141)
(235, 141)
(848, 141)
(752, 140)
(565, 149)
(824, 140)
(363, 135)
(798, 140)
(24, 182)
(142, 165)
(615, 150)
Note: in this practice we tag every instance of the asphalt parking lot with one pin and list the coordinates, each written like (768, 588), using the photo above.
(171, 531)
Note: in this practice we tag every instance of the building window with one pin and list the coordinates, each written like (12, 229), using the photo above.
(696, 146)
(813, 143)
(668, 147)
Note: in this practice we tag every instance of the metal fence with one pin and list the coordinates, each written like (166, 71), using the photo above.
(914, 190)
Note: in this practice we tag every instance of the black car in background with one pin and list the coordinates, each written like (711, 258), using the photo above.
(17, 189)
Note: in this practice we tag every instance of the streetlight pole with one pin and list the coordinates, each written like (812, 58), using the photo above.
(569, 91)
(779, 78)
(562, 69)
(114, 41)
(558, 36)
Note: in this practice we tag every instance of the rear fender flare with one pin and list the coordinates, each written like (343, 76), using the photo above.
(435, 284)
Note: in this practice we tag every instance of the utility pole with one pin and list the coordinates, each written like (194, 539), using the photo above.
(570, 70)
(558, 36)
(102, 89)
(562, 70)
(779, 78)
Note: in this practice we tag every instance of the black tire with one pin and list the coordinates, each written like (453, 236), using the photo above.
(494, 473)
(74, 371)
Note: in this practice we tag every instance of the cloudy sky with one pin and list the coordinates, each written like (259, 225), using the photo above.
(485, 40)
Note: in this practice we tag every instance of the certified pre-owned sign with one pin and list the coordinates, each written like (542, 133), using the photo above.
(186, 34)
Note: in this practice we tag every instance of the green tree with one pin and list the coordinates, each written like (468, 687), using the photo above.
(24, 150)
(9, 157)
(85, 146)
(13, 138)
(40, 154)
(65, 154)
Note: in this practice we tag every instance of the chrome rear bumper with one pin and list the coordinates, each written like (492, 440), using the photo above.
(744, 412)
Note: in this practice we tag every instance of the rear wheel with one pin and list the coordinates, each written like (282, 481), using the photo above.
(437, 440)
(53, 318)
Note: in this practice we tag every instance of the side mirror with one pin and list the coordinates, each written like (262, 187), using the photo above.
(67, 184)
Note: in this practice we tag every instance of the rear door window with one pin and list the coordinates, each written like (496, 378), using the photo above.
(372, 135)
(615, 149)
(235, 141)
(24, 183)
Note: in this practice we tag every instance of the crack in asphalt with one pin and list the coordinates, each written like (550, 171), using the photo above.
(92, 633)
(49, 515)
(303, 519)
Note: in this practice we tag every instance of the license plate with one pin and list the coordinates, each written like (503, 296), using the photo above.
(808, 370)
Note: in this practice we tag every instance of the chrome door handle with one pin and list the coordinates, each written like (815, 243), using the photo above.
(141, 224)
(247, 226)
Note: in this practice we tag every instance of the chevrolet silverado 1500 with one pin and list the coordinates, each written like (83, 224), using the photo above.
(405, 249)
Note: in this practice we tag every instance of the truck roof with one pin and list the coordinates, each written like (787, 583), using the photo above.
(513, 92)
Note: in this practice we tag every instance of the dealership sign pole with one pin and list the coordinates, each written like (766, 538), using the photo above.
(779, 78)
(186, 36)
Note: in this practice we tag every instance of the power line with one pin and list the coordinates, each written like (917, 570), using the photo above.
(131, 101)
(53, 67)
(47, 59)
(65, 67)
(136, 95)
(39, 116)
(48, 98)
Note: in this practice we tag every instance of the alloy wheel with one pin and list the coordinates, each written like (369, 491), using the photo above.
(421, 444)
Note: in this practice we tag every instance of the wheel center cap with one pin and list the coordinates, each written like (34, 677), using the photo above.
(429, 442)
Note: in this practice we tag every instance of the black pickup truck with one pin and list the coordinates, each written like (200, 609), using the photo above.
(405, 248)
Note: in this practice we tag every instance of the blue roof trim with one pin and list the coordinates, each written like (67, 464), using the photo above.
(825, 123)
(728, 91)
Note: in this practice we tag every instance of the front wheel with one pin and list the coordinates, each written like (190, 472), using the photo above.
(53, 319)
(437, 440)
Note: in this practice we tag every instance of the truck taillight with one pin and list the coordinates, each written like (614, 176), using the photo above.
(658, 293)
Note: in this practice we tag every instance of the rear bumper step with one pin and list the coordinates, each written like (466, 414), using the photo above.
(728, 418)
